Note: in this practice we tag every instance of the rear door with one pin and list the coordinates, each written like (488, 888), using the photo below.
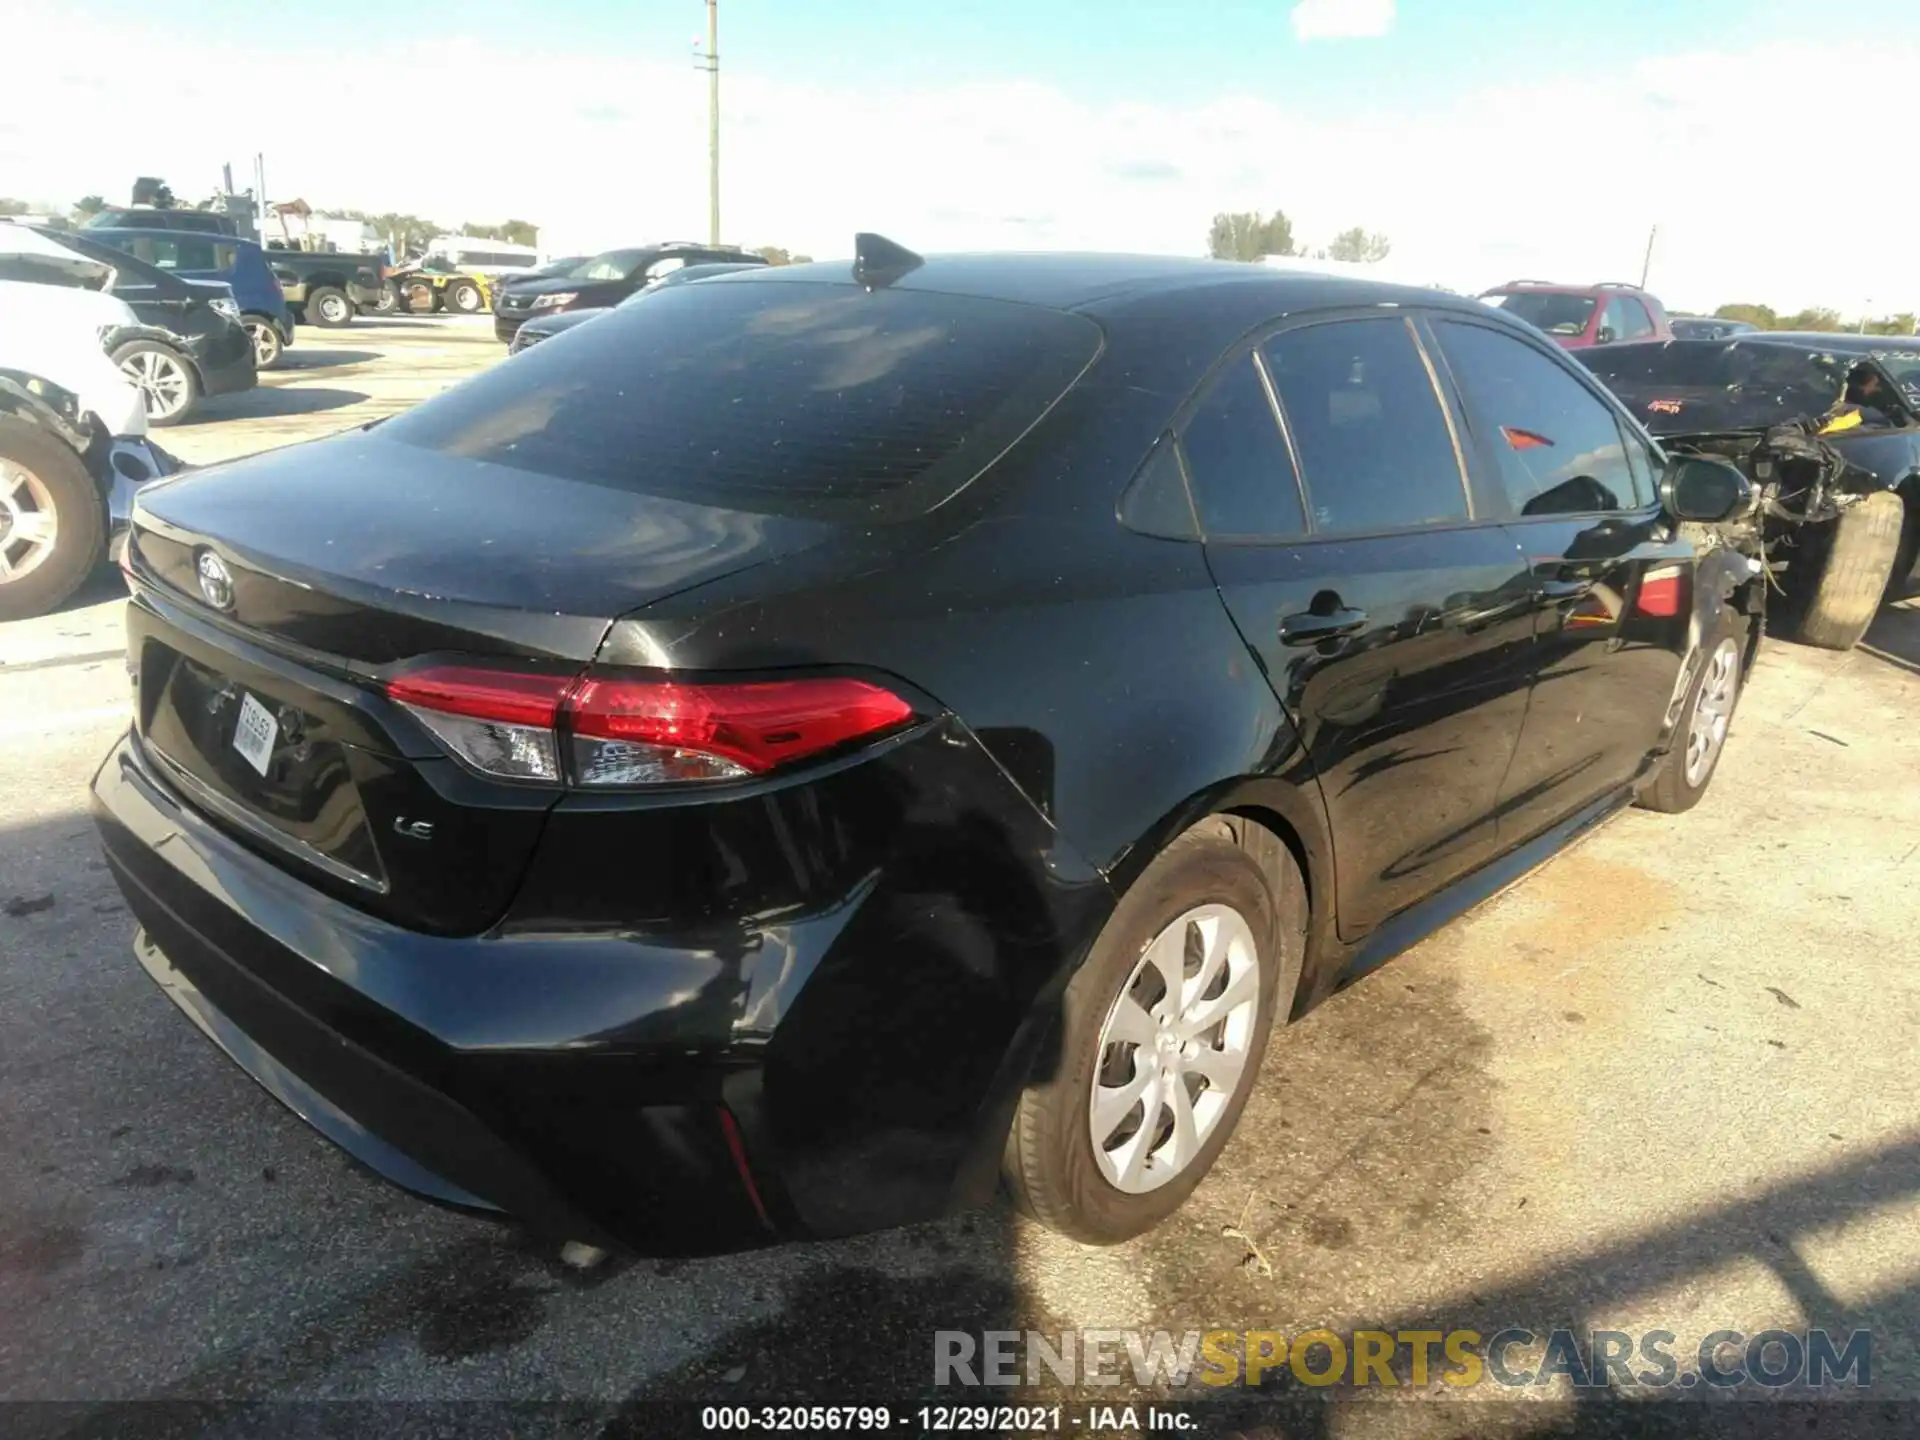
(1390, 618)
(1611, 586)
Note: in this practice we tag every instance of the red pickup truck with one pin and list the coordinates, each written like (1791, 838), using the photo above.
(1577, 316)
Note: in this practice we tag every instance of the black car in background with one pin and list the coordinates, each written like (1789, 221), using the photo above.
(933, 720)
(196, 344)
(603, 281)
(545, 327)
(544, 272)
(1828, 428)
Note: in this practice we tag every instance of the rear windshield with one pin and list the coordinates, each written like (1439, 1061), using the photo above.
(1547, 310)
(773, 397)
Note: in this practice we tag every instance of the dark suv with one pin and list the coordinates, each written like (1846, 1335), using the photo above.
(1577, 316)
(603, 281)
(933, 722)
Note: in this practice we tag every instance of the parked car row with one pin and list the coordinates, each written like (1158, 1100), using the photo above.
(602, 281)
(938, 721)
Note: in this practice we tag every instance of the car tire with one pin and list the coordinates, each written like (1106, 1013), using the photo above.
(1706, 718)
(1856, 575)
(329, 307)
(168, 384)
(40, 473)
(464, 298)
(389, 300)
(421, 298)
(1104, 1192)
(267, 344)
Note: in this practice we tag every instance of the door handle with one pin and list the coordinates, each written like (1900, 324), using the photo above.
(1310, 627)
(1555, 590)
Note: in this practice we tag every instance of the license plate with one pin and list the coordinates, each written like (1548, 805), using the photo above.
(254, 732)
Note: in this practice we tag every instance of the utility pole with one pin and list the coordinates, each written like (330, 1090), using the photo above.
(1646, 265)
(711, 64)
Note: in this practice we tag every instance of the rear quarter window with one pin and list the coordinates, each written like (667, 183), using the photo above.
(779, 398)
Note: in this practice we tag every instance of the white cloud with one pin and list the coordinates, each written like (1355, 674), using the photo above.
(1559, 176)
(1342, 19)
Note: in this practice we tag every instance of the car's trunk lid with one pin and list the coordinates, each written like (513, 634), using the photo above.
(275, 597)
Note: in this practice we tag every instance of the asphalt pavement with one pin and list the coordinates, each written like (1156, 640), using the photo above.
(1665, 1082)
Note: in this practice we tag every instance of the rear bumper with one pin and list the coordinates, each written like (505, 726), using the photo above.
(597, 1083)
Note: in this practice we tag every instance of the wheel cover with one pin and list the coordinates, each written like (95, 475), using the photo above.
(466, 298)
(1173, 1049)
(29, 523)
(332, 307)
(162, 380)
(1713, 711)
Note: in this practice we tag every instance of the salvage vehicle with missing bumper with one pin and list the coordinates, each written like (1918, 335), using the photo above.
(930, 744)
(73, 447)
(1828, 428)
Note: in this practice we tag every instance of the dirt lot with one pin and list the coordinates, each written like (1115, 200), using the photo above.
(1665, 1082)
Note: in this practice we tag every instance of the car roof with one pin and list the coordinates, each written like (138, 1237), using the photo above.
(1553, 287)
(1073, 281)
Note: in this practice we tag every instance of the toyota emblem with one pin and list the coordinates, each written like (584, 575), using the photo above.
(216, 581)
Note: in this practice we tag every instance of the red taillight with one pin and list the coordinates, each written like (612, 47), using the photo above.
(1660, 593)
(503, 695)
(615, 730)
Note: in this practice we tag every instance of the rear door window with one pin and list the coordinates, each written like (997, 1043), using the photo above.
(1557, 448)
(1243, 481)
(772, 397)
(1376, 453)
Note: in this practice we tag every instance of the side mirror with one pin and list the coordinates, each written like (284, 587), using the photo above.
(1604, 336)
(1695, 487)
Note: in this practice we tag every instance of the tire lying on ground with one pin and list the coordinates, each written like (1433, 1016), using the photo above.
(1859, 564)
(52, 531)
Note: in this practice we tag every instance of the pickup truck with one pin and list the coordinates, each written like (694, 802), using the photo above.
(327, 288)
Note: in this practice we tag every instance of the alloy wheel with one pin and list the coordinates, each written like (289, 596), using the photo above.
(162, 380)
(1713, 711)
(266, 344)
(1173, 1049)
(29, 523)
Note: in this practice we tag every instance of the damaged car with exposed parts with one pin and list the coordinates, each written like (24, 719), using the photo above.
(1828, 429)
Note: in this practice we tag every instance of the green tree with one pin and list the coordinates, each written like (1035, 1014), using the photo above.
(10, 206)
(773, 255)
(1816, 318)
(151, 190)
(514, 232)
(1247, 235)
(88, 206)
(1359, 245)
(1761, 315)
(1901, 324)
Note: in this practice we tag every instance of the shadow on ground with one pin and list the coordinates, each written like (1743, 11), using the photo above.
(309, 358)
(266, 402)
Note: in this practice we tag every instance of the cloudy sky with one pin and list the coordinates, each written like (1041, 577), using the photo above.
(1489, 139)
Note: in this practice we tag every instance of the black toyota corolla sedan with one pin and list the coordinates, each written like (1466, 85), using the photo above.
(834, 740)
